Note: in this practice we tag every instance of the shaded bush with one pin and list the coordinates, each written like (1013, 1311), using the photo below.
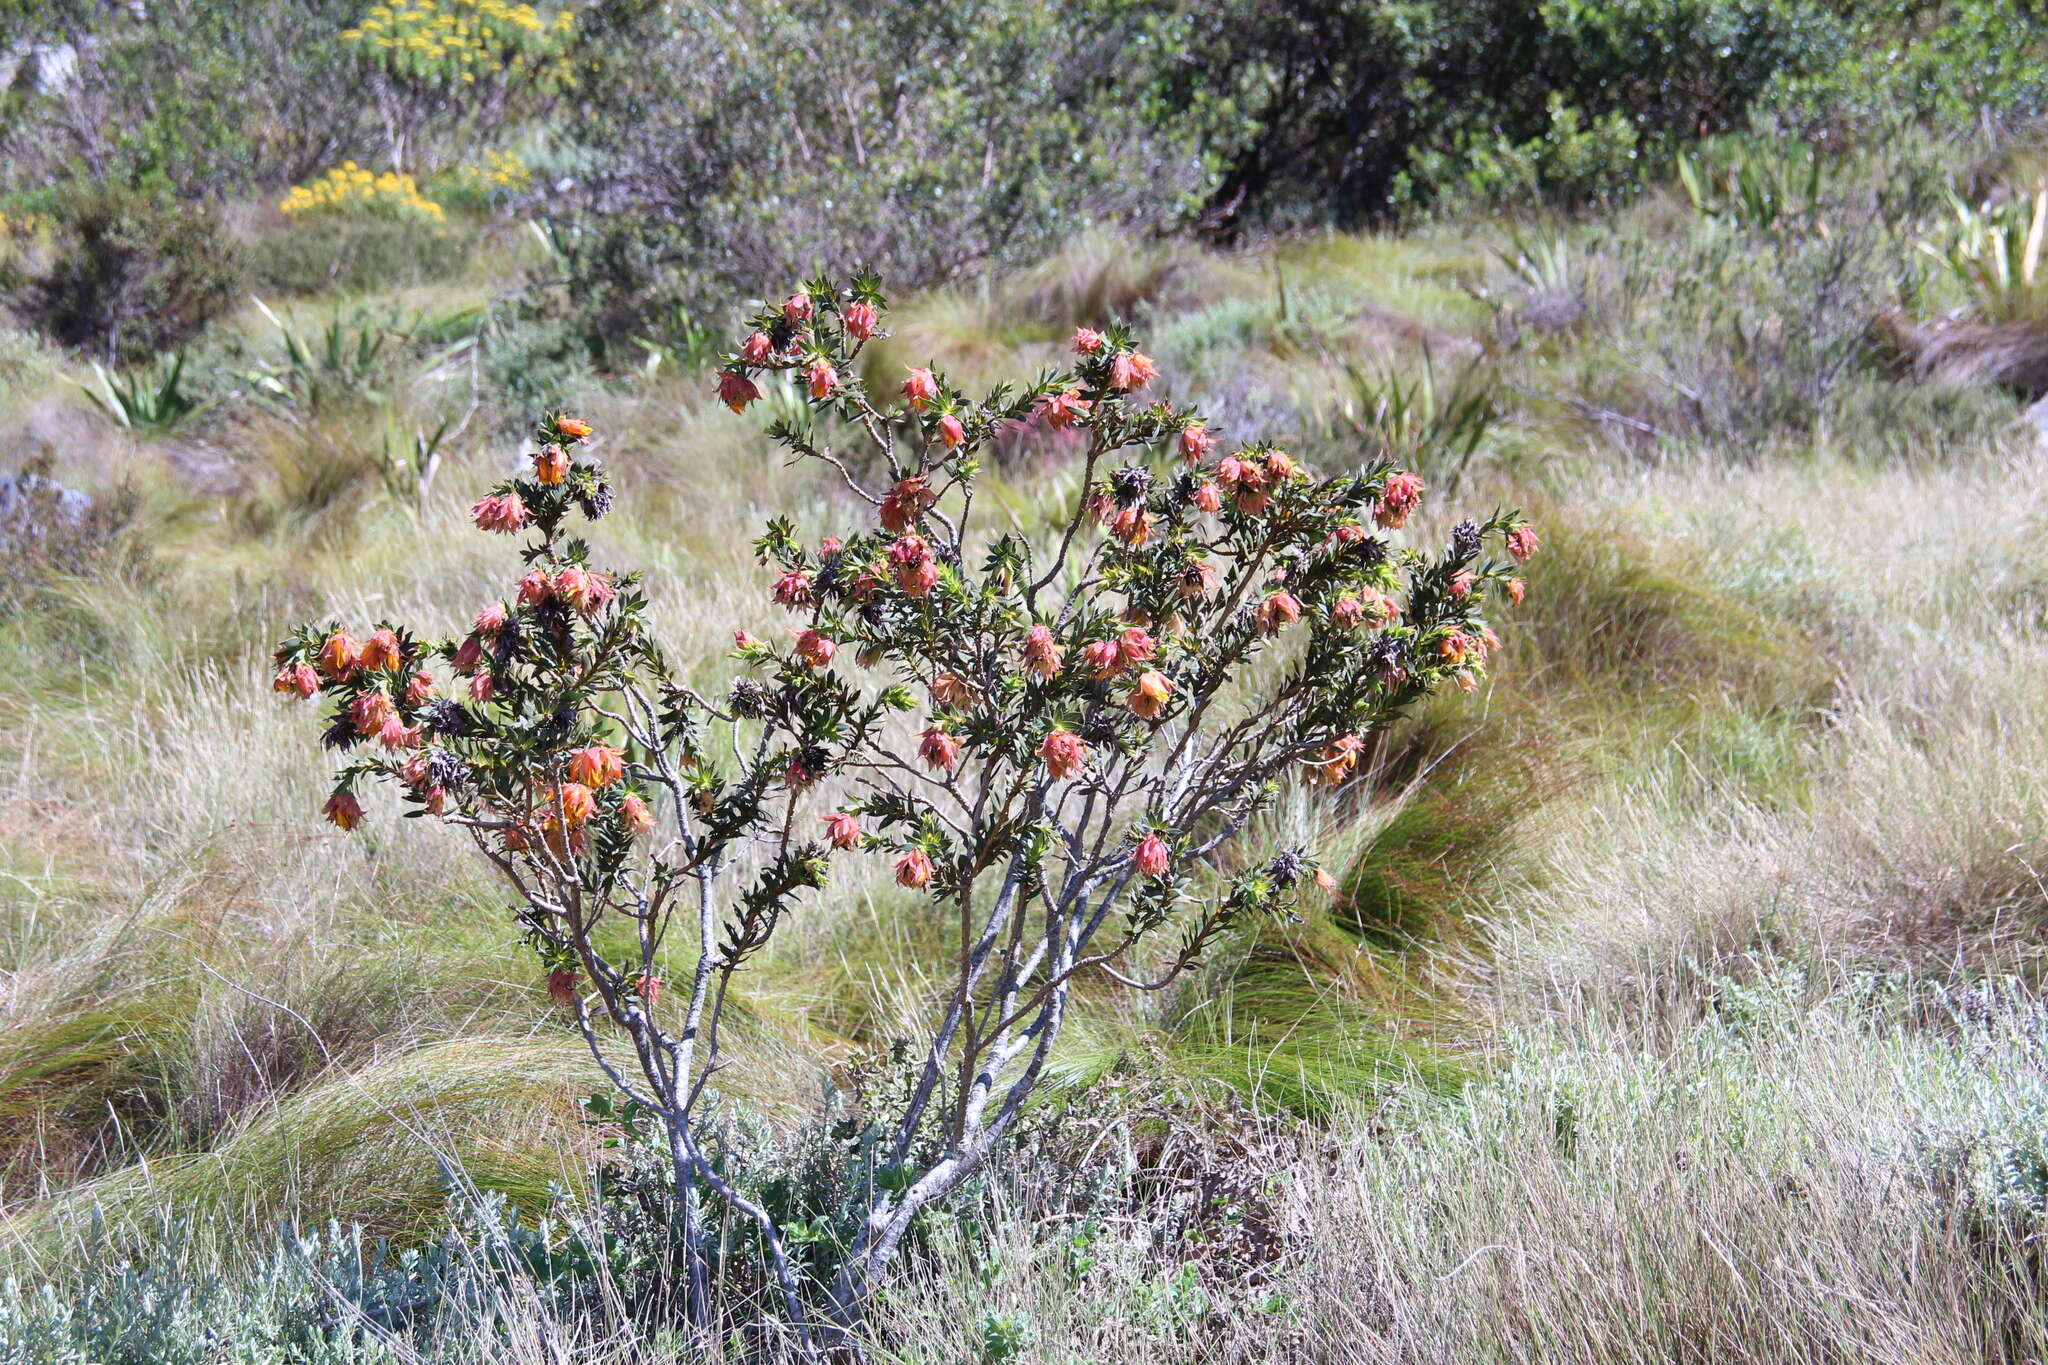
(129, 274)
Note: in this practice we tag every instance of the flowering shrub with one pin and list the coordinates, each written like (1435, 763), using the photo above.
(461, 68)
(349, 188)
(458, 41)
(492, 179)
(1051, 738)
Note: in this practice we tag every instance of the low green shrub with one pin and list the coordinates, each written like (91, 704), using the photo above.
(129, 273)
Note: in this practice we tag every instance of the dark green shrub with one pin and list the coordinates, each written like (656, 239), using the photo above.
(128, 274)
(935, 142)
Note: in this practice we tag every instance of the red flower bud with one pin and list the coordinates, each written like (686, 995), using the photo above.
(299, 678)
(343, 811)
(1151, 857)
(921, 388)
(793, 590)
(501, 512)
(1064, 753)
(562, 987)
(939, 749)
(1403, 493)
(913, 870)
(1041, 655)
(735, 390)
(1132, 370)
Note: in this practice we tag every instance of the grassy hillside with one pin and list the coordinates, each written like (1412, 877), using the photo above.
(1679, 1000)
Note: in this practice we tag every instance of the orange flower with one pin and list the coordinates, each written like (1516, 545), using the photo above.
(1132, 370)
(395, 734)
(419, 689)
(861, 319)
(535, 587)
(649, 987)
(369, 712)
(1064, 753)
(1087, 341)
(913, 870)
(572, 803)
(600, 765)
(584, 591)
(1403, 494)
(842, 830)
(1103, 658)
(551, 465)
(952, 432)
(921, 388)
(756, 348)
(951, 690)
(338, 655)
(1149, 697)
(1517, 590)
(1196, 443)
(1278, 612)
(815, 649)
(573, 428)
(343, 811)
(1522, 544)
(1338, 759)
(1207, 497)
(917, 573)
(823, 379)
(636, 817)
(299, 678)
(1061, 410)
(902, 505)
(379, 652)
